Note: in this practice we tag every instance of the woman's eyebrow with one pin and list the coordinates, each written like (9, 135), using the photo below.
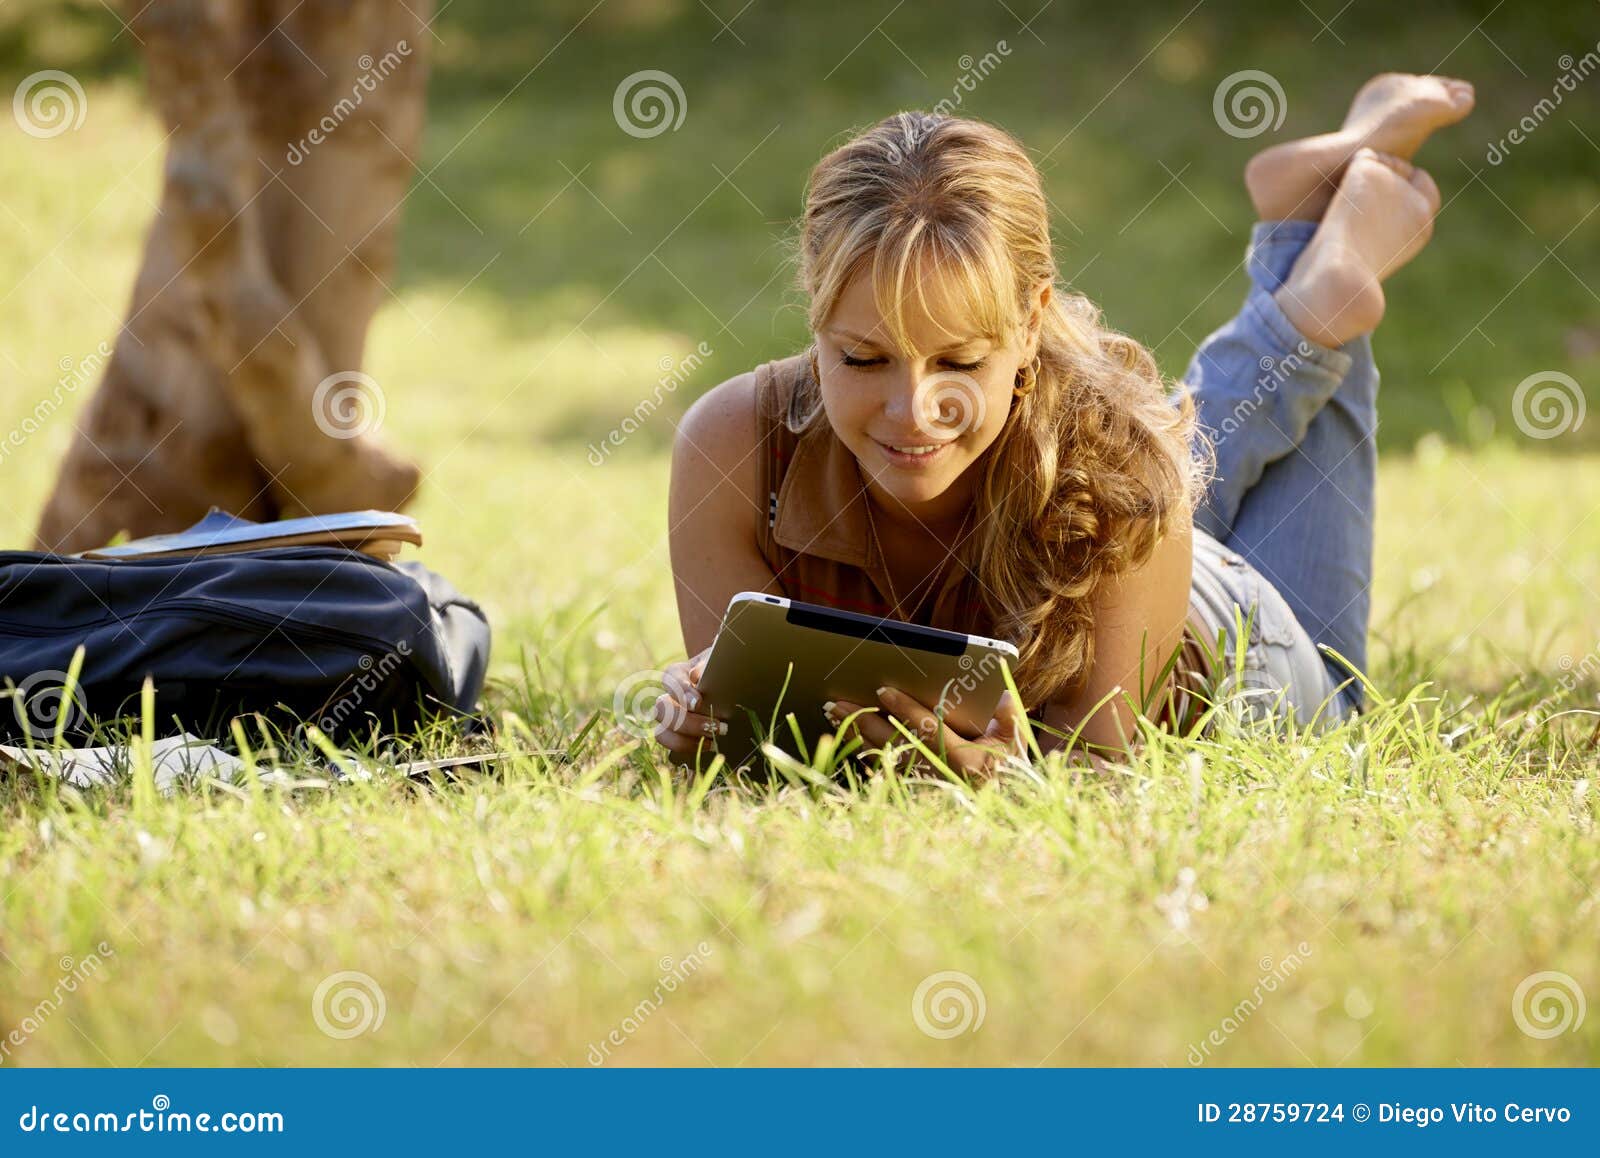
(849, 337)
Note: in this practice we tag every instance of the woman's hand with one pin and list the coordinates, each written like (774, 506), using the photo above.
(973, 757)
(680, 726)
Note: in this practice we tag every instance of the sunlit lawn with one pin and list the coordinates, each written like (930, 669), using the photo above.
(1415, 867)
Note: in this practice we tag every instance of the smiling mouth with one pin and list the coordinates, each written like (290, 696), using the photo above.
(913, 449)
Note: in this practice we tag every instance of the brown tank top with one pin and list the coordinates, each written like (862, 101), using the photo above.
(816, 536)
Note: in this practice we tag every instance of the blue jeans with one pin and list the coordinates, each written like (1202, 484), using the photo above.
(1285, 532)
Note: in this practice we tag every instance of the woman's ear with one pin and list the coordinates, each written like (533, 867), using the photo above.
(1038, 301)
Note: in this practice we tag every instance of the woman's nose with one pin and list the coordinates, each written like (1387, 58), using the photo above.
(905, 397)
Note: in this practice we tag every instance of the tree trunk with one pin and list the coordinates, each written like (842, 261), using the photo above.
(235, 380)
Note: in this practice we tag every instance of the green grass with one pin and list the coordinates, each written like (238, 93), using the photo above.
(1429, 858)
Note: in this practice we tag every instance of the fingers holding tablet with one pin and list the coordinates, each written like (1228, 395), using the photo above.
(681, 727)
(685, 734)
(971, 756)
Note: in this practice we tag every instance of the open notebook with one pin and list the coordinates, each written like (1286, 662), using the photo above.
(377, 533)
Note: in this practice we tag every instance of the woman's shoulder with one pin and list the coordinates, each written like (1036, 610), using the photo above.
(727, 421)
(722, 463)
(721, 423)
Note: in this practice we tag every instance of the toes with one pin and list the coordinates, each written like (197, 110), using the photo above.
(1365, 157)
(1399, 164)
(1453, 88)
(1462, 94)
(1421, 92)
(1424, 183)
(1370, 165)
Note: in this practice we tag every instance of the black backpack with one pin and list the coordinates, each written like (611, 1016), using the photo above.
(324, 635)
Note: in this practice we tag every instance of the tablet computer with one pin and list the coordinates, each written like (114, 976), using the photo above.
(809, 654)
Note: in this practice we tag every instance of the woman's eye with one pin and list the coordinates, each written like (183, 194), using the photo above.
(965, 367)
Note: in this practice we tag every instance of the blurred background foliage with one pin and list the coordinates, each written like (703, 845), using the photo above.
(535, 203)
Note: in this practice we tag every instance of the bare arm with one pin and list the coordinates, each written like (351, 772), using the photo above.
(1138, 614)
(1139, 617)
(712, 507)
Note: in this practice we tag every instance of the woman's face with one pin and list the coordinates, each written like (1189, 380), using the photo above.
(917, 421)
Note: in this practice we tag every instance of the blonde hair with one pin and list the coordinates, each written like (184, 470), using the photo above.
(1095, 462)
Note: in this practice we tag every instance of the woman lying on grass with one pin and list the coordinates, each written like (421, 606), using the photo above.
(966, 446)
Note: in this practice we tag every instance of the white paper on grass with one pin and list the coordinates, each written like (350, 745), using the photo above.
(190, 756)
(172, 758)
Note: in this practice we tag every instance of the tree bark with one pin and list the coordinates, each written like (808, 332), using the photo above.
(235, 381)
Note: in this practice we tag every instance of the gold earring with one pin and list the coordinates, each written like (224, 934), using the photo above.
(1027, 378)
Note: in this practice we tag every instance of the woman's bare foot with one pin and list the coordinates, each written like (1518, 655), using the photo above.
(1393, 113)
(1380, 218)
